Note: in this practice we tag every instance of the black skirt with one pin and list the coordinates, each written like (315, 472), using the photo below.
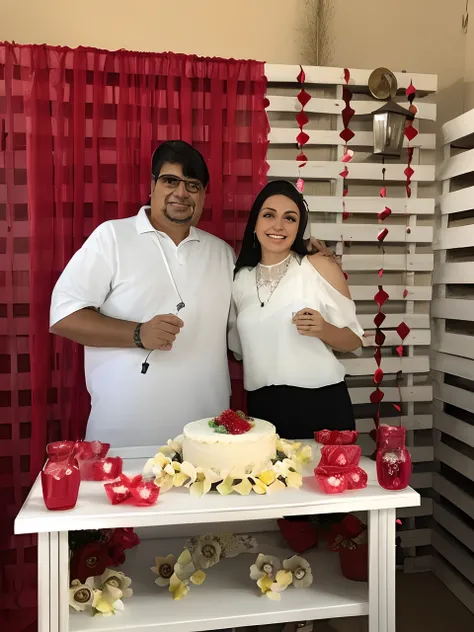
(299, 412)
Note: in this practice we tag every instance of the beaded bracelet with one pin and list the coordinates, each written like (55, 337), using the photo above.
(136, 336)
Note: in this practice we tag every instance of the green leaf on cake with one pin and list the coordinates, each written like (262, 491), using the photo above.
(217, 427)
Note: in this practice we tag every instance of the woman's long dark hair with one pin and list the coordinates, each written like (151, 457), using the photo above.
(251, 251)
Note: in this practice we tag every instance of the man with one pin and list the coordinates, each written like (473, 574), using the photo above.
(120, 296)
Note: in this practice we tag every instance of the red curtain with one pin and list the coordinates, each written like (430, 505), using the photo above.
(77, 130)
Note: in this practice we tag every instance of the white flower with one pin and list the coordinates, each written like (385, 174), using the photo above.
(81, 595)
(114, 585)
(288, 448)
(185, 567)
(207, 552)
(164, 568)
(265, 565)
(156, 465)
(301, 571)
(201, 481)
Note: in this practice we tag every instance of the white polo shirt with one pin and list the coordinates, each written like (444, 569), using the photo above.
(121, 270)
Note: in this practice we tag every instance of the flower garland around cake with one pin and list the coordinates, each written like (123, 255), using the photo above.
(168, 469)
(199, 555)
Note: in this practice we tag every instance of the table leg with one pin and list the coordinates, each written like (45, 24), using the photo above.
(382, 570)
(53, 582)
(43, 582)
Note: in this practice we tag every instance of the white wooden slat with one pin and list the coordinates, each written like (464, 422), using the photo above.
(454, 365)
(457, 584)
(455, 237)
(418, 263)
(456, 428)
(457, 128)
(414, 321)
(425, 509)
(361, 395)
(370, 205)
(421, 480)
(457, 165)
(453, 308)
(287, 136)
(455, 495)
(420, 337)
(419, 564)
(455, 396)
(455, 272)
(415, 422)
(369, 232)
(330, 170)
(455, 344)
(366, 366)
(422, 453)
(456, 201)
(415, 293)
(454, 554)
(287, 73)
(415, 537)
(456, 527)
(322, 105)
(455, 460)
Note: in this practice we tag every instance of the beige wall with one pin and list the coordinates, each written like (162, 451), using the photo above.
(417, 35)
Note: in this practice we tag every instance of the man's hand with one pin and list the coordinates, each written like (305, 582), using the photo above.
(160, 332)
(315, 246)
(309, 322)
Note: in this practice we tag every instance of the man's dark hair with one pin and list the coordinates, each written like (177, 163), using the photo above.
(178, 152)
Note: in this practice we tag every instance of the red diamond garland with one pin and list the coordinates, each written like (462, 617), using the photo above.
(346, 134)
(377, 395)
(302, 137)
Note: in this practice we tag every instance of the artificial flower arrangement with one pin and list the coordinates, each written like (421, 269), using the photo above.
(274, 576)
(168, 469)
(95, 587)
(199, 555)
(350, 538)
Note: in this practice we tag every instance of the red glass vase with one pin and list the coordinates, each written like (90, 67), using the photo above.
(60, 481)
(393, 458)
(355, 562)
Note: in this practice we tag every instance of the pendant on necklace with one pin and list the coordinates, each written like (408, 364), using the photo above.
(262, 304)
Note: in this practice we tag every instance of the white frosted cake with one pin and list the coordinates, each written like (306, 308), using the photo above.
(238, 453)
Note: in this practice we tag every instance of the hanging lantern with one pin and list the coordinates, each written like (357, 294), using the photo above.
(388, 121)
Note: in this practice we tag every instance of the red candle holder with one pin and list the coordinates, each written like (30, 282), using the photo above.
(60, 481)
(393, 458)
(60, 450)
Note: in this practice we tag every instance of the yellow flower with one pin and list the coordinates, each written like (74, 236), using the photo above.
(244, 487)
(265, 584)
(259, 487)
(104, 608)
(114, 585)
(272, 588)
(267, 477)
(294, 480)
(282, 580)
(276, 486)
(156, 465)
(178, 588)
(225, 487)
(288, 448)
(164, 481)
(184, 566)
(198, 577)
(305, 455)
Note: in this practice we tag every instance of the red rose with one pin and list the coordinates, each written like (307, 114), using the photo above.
(299, 534)
(352, 527)
(124, 538)
(117, 555)
(90, 560)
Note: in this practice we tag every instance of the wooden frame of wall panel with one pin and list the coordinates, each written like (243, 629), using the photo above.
(453, 363)
(408, 253)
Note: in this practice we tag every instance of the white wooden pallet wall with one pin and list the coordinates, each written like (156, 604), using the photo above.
(408, 259)
(453, 362)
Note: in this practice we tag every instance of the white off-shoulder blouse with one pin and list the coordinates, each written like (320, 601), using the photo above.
(273, 351)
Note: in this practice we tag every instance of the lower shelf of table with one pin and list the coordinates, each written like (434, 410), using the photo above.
(228, 598)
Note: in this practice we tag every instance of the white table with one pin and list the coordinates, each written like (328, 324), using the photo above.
(228, 598)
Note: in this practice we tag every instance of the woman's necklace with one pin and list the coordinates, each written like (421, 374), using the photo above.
(268, 278)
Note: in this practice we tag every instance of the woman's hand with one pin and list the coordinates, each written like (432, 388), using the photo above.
(309, 322)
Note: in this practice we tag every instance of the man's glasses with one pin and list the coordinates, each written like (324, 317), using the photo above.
(172, 182)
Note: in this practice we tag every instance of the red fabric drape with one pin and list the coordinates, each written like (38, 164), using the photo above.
(77, 130)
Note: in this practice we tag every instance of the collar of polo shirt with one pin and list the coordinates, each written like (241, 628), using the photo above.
(145, 226)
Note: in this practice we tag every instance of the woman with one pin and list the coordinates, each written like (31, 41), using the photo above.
(293, 310)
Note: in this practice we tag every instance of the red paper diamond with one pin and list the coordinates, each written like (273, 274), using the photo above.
(301, 78)
(266, 102)
(380, 272)
(408, 190)
(347, 75)
(302, 158)
(410, 90)
(378, 356)
(346, 276)
(379, 338)
(413, 109)
(345, 216)
(403, 330)
(378, 376)
(346, 95)
(382, 234)
(302, 119)
(344, 173)
(383, 192)
(377, 396)
(347, 114)
(379, 318)
(347, 135)
(405, 293)
(410, 154)
(398, 407)
(400, 350)
(381, 296)
(345, 191)
(410, 132)
(300, 185)
(302, 138)
(303, 97)
(409, 172)
(384, 214)
(348, 155)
